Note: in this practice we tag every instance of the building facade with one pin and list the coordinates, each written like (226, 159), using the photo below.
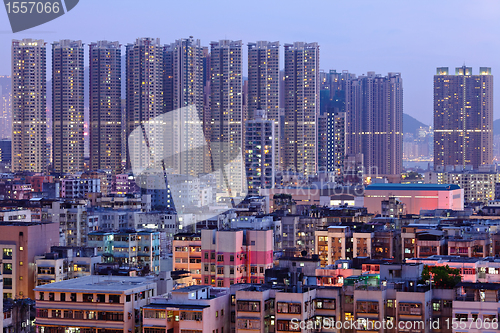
(144, 94)
(140, 249)
(68, 106)
(186, 250)
(92, 304)
(235, 256)
(20, 243)
(29, 118)
(260, 152)
(374, 122)
(183, 87)
(415, 197)
(226, 107)
(264, 84)
(105, 106)
(301, 107)
(463, 117)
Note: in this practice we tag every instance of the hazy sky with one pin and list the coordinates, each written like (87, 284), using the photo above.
(411, 37)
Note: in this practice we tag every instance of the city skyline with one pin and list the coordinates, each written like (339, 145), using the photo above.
(193, 167)
(411, 42)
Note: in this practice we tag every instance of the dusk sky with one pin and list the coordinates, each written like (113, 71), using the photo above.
(411, 37)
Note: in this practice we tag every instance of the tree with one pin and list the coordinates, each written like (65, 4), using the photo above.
(443, 277)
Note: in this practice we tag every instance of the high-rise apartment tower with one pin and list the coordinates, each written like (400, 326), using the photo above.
(105, 106)
(301, 107)
(463, 117)
(68, 106)
(29, 119)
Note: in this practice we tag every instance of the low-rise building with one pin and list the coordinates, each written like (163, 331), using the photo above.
(194, 309)
(93, 304)
(139, 249)
(476, 306)
(469, 247)
(79, 188)
(71, 216)
(15, 215)
(187, 255)
(429, 243)
(64, 263)
(333, 244)
(478, 185)
(20, 243)
(415, 197)
(235, 256)
(267, 309)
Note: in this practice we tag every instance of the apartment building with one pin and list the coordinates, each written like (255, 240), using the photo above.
(235, 256)
(298, 233)
(64, 263)
(144, 77)
(194, 309)
(187, 255)
(476, 305)
(362, 243)
(463, 117)
(68, 103)
(226, 109)
(105, 144)
(93, 304)
(474, 270)
(267, 309)
(79, 188)
(140, 249)
(333, 244)
(469, 247)
(29, 116)
(20, 243)
(301, 89)
(429, 243)
(478, 185)
(72, 218)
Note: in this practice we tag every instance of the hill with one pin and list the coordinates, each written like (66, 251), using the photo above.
(410, 124)
(496, 127)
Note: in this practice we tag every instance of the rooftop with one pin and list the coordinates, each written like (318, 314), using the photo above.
(413, 187)
(191, 288)
(97, 283)
(174, 305)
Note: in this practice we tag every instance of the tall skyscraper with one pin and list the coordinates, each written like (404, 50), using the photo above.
(144, 62)
(226, 113)
(184, 83)
(264, 84)
(29, 118)
(302, 87)
(68, 106)
(105, 106)
(263, 78)
(374, 121)
(463, 117)
(260, 161)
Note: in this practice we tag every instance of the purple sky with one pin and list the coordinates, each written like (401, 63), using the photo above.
(411, 37)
